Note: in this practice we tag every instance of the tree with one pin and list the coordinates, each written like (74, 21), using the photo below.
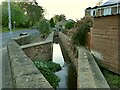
(4, 14)
(44, 27)
(52, 22)
(34, 12)
(69, 25)
(17, 14)
(56, 19)
(23, 13)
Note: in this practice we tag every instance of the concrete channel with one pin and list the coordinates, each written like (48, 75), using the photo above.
(80, 72)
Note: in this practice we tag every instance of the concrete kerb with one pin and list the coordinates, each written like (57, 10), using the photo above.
(20, 37)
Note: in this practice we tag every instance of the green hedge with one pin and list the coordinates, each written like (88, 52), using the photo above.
(47, 68)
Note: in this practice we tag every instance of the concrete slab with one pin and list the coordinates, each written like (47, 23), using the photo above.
(89, 74)
(85, 76)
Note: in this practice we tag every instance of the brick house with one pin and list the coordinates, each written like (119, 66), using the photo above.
(106, 34)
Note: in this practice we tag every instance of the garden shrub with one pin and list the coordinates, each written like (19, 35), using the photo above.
(47, 68)
(82, 28)
(69, 25)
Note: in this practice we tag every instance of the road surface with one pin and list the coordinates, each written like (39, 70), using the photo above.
(5, 73)
(8, 35)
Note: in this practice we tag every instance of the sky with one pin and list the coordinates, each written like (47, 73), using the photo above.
(72, 9)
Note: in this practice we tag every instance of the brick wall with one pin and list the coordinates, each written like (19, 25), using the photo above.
(41, 51)
(105, 37)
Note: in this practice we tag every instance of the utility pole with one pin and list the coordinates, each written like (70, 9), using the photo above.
(9, 15)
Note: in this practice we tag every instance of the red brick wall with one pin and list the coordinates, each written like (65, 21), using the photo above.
(105, 37)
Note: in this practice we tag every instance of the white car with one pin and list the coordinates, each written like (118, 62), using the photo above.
(24, 33)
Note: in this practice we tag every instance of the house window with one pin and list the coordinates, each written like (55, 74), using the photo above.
(107, 11)
(114, 10)
(93, 12)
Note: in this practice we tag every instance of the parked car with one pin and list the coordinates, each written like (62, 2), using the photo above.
(23, 33)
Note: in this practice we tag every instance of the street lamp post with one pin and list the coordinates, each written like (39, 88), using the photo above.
(14, 24)
(9, 14)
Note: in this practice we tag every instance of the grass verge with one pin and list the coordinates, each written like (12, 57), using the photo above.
(113, 79)
(5, 29)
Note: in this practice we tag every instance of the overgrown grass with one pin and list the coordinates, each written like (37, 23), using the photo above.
(47, 68)
(112, 78)
(5, 29)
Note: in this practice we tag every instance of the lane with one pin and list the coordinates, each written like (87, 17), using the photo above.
(8, 35)
(5, 73)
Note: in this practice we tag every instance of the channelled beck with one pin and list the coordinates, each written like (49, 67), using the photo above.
(67, 74)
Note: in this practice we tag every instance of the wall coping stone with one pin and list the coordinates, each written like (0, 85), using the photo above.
(48, 40)
(19, 37)
(34, 44)
(89, 74)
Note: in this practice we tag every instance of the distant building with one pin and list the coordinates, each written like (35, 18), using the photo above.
(112, 7)
(106, 34)
(61, 25)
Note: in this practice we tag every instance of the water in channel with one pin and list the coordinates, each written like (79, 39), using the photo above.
(67, 74)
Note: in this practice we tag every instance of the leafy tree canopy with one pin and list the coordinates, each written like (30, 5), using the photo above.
(22, 13)
(58, 18)
(44, 26)
(52, 23)
(69, 25)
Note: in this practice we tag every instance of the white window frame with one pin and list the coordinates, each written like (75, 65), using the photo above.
(107, 11)
(92, 12)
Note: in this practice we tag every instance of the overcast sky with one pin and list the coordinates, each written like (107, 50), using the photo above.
(73, 9)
